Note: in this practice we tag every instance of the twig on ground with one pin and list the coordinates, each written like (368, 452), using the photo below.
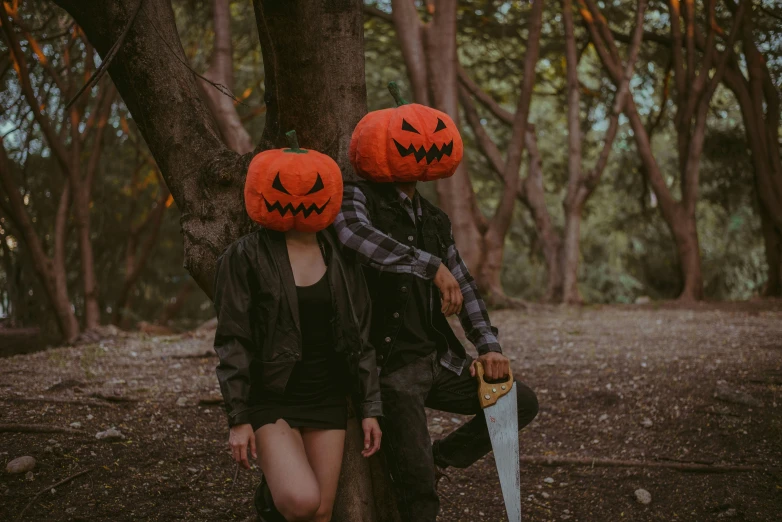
(199, 355)
(112, 398)
(79, 402)
(611, 463)
(715, 412)
(197, 477)
(236, 475)
(44, 490)
(36, 428)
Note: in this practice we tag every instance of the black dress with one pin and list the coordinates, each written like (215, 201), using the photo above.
(315, 396)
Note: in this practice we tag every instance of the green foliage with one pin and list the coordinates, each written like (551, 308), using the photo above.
(626, 247)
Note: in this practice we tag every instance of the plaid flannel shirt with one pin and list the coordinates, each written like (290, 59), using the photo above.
(383, 253)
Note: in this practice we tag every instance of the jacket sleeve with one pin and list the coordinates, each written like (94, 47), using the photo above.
(367, 381)
(374, 248)
(233, 338)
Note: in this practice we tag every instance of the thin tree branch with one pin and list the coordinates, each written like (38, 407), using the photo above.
(23, 73)
(104, 65)
(377, 13)
(619, 101)
(504, 213)
(409, 30)
(482, 96)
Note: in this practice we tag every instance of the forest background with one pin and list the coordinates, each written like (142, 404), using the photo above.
(661, 187)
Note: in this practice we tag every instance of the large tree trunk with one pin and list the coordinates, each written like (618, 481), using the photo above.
(760, 110)
(534, 197)
(573, 204)
(221, 72)
(581, 185)
(87, 258)
(685, 234)
(773, 244)
(314, 74)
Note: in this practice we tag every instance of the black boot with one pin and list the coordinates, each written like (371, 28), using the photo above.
(264, 505)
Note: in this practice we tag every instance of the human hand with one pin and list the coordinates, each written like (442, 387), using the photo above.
(495, 366)
(372, 436)
(449, 290)
(240, 437)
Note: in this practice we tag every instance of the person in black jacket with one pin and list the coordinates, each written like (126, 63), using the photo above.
(417, 278)
(293, 341)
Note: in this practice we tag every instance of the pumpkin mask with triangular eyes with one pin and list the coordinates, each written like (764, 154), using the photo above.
(293, 188)
(411, 142)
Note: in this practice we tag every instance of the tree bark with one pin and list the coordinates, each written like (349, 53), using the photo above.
(221, 71)
(314, 74)
(82, 197)
(51, 272)
(135, 259)
(534, 197)
(573, 205)
(581, 185)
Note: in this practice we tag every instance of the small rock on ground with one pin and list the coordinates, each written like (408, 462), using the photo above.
(21, 465)
(643, 496)
(110, 434)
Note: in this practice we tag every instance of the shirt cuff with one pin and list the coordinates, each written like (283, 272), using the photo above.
(427, 265)
(242, 416)
(371, 409)
(487, 342)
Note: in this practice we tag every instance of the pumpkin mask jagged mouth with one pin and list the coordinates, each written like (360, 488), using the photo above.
(434, 152)
(283, 209)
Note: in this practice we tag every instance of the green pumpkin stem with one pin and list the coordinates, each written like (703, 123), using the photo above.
(393, 88)
(293, 143)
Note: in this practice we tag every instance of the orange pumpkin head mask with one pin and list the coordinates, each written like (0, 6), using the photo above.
(293, 188)
(411, 142)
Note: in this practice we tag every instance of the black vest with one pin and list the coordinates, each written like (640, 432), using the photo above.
(389, 291)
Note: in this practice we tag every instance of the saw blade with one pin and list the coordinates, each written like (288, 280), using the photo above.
(503, 423)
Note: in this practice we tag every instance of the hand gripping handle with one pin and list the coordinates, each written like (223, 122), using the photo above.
(488, 393)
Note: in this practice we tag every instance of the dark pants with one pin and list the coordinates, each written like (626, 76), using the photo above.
(412, 457)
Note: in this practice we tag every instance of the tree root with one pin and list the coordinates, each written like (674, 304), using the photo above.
(36, 428)
(611, 463)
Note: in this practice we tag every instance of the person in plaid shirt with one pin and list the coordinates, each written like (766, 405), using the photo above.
(416, 279)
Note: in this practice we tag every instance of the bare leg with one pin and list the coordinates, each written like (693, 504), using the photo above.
(324, 451)
(283, 460)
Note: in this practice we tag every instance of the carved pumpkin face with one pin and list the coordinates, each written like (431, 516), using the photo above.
(293, 189)
(411, 142)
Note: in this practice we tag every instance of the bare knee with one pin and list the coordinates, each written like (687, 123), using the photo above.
(299, 505)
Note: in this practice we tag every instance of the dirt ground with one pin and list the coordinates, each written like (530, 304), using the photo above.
(651, 383)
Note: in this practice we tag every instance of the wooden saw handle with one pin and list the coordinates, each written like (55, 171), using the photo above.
(488, 393)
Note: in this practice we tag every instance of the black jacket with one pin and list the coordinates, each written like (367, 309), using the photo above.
(391, 291)
(258, 337)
